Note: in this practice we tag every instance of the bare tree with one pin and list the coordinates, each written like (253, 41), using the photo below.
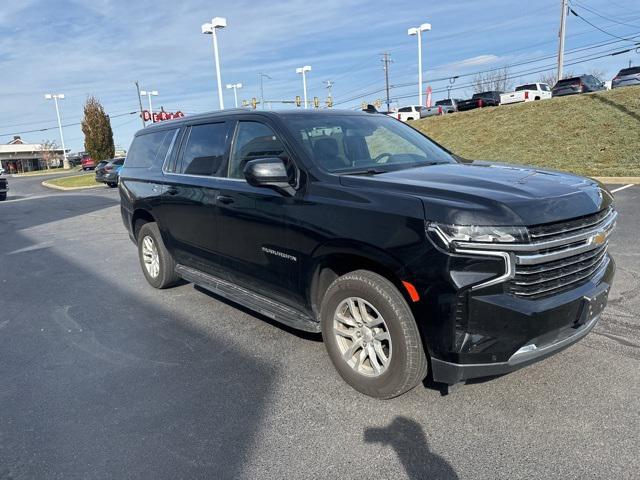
(50, 156)
(496, 80)
(551, 78)
(598, 73)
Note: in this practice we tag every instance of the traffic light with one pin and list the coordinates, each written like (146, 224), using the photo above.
(329, 102)
(245, 103)
(316, 102)
(378, 103)
(298, 101)
(254, 103)
(364, 105)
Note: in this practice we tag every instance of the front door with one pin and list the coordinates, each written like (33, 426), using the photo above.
(254, 223)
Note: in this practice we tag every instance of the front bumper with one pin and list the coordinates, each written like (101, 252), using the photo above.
(504, 333)
(107, 178)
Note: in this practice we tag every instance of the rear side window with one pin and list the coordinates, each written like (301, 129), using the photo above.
(628, 71)
(443, 103)
(531, 86)
(405, 109)
(568, 81)
(150, 149)
(119, 161)
(205, 148)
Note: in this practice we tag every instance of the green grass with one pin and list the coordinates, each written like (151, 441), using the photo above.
(86, 180)
(52, 171)
(595, 134)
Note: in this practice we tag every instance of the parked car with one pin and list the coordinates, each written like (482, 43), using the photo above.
(406, 257)
(108, 171)
(411, 112)
(4, 188)
(575, 85)
(87, 162)
(626, 77)
(529, 92)
(448, 105)
(479, 100)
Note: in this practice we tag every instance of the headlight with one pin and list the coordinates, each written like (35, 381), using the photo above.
(447, 234)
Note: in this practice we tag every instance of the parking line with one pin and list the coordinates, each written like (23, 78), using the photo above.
(622, 188)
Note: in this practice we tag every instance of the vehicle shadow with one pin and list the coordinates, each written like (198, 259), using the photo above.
(617, 106)
(117, 386)
(409, 441)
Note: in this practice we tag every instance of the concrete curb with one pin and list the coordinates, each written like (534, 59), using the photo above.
(57, 187)
(619, 180)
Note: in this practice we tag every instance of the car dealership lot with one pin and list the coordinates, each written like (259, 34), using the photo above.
(103, 377)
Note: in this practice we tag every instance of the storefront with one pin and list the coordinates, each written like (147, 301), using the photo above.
(19, 157)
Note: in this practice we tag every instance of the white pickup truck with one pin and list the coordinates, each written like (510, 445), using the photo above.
(529, 92)
(411, 112)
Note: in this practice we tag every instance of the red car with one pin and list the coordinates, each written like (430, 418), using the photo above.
(87, 163)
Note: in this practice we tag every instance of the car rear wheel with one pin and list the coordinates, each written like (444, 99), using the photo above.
(371, 335)
(3, 196)
(158, 266)
(112, 184)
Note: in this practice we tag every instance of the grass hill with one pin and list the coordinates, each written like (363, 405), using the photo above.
(593, 134)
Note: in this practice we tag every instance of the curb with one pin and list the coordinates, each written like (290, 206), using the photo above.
(619, 180)
(57, 187)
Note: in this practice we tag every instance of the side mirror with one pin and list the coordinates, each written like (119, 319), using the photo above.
(270, 173)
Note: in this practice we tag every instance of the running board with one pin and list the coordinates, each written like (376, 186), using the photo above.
(258, 303)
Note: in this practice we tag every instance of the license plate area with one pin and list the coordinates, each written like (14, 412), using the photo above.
(593, 306)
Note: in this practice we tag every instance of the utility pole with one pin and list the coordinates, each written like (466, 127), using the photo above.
(144, 124)
(261, 77)
(386, 60)
(329, 85)
(563, 25)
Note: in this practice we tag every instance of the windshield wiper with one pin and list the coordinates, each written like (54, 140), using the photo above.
(368, 171)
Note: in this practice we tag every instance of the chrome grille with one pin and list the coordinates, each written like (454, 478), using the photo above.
(578, 253)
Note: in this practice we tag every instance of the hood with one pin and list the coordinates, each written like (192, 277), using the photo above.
(484, 193)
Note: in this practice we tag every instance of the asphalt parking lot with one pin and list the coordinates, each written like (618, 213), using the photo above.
(102, 376)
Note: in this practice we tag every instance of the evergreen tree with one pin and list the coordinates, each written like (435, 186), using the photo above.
(96, 126)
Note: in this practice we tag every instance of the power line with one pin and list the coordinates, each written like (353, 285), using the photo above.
(610, 19)
(54, 128)
(598, 28)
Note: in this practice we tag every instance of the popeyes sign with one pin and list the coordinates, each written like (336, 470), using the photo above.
(160, 116)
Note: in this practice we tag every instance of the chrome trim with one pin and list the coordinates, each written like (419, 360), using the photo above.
(600, 268)
(508, 267)
(595, 265)
(606, 227)
(581, 227)
(559, 255)
(564, 265)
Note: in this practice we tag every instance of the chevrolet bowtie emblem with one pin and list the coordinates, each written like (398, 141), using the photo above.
(599, 238)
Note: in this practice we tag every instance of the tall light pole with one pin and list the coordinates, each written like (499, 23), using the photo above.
(329, 85)
(418, 31)
(563, 24)
(56, 97)
(235, 87)
(210, 29)
(262, 76)
(303, 71)
(149, 94)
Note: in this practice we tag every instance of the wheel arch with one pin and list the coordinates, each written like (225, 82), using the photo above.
(139, 217)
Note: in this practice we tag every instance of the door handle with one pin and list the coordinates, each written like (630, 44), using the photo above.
(172, 191)
(226, 199)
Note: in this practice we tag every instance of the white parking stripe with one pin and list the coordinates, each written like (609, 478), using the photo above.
(622, 188)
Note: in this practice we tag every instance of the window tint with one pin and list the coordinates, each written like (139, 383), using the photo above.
(150, 149)
(405, 109)
(253, 140)
(530, 86)
(118, 161)
(544, 87)
(204, 151)
(628, 71)
(443, 102)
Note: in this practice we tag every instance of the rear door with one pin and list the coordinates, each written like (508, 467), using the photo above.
(253, 222)
(189, 198)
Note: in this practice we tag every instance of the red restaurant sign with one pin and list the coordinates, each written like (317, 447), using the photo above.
(160, 116)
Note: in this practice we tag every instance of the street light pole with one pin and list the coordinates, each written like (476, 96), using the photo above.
(148, 94)
(55, 97)
(303, 71)
(235, 87)
(210, 29)
(418, 31)
(261, 76)
(563, 24)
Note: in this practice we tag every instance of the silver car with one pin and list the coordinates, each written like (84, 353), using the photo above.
(626, 77)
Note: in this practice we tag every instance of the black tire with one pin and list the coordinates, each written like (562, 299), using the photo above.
(407, 364)
(166, 276)
(3, 196)
(112, 185)
(410, 118)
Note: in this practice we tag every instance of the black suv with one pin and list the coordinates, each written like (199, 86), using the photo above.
(479, 100)
(406, 257)
(575, 85)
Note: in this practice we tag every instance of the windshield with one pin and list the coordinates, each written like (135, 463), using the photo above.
(628, 71)
(353, 143)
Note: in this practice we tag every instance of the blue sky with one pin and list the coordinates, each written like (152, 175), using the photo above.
(100, 47)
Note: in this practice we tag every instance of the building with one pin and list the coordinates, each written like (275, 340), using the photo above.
(19, 157)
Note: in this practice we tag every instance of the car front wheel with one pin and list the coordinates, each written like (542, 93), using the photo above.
(371, 335)
(157, 264)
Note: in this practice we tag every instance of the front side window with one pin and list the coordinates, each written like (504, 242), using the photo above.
(204, 151)
(253, 140)
(344, 143)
